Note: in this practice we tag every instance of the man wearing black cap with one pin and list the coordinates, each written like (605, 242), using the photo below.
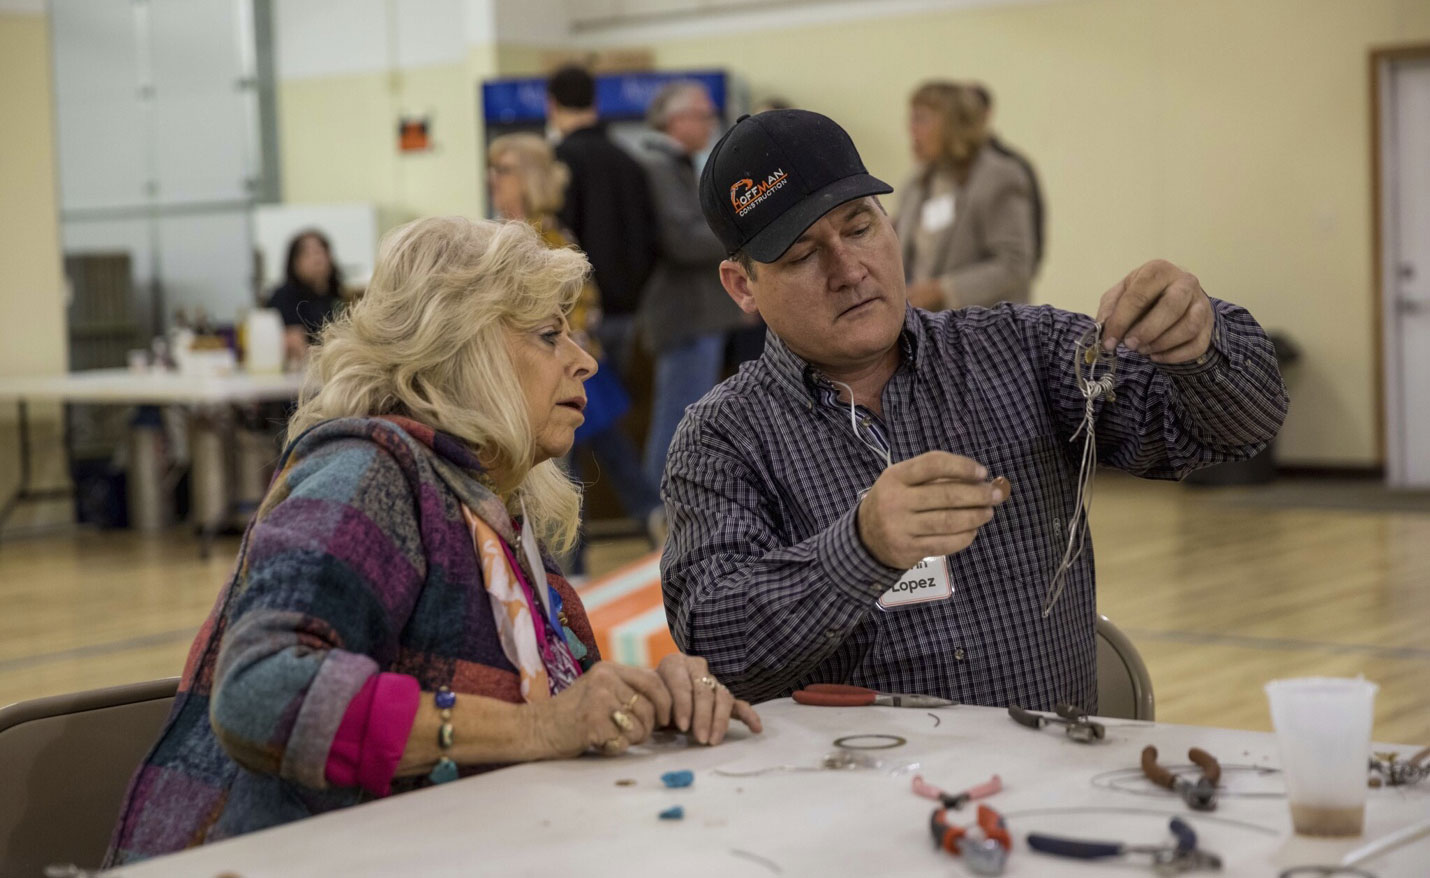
(824, 502)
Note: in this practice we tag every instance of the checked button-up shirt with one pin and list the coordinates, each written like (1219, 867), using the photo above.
(764, 573)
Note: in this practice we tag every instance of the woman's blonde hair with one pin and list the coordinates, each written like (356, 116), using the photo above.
(543, 178)
(962, 119)
(428, 341)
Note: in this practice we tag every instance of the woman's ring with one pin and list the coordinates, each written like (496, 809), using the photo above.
(631, 705)
(613, 746)
(622, 720)
(708, 680)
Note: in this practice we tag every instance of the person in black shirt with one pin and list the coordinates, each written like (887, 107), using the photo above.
(311, 293)
(607, 208)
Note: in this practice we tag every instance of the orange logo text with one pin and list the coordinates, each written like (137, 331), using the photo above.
(746, 193)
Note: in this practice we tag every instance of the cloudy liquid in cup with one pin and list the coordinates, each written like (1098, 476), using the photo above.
(1319, 820)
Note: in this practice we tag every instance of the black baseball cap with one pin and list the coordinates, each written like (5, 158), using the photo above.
(773, 175)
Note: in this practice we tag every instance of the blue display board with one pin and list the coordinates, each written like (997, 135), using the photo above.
(618, 95)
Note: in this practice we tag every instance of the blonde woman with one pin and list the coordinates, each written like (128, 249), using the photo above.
(394, 619)
(528, 184)
(964, 217)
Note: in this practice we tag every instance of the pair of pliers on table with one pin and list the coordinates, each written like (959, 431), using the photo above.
(984, 850)
(1200, 794)
(840, 695)
(1076, 723)
(1181, 856)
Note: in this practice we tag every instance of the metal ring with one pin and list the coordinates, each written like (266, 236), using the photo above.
(622, 720)
(888, 742)
(631, 705)
(708, 680)
(613, 746)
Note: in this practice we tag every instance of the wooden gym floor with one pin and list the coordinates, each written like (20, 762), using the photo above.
(1221, 590)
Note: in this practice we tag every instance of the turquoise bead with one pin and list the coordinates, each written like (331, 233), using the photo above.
(445, 771)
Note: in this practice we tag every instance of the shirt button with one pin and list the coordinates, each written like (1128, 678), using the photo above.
(959, 653)
(831, 634)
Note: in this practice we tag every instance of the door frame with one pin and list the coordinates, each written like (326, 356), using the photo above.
(1385, 344)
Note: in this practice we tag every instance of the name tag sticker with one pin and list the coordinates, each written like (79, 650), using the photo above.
(936, 214)
(928, 580)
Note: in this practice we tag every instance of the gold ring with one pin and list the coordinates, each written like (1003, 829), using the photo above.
(708, 680)
(631, 705)
(613, 746)
(622, 720)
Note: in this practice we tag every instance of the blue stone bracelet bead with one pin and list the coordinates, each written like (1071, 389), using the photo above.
(446, 769)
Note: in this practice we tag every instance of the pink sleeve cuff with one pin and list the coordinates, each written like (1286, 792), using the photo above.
(374, 731)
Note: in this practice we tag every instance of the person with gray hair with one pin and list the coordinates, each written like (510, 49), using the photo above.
(685, 315)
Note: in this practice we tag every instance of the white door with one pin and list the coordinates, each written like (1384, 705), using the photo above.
(1406, 271)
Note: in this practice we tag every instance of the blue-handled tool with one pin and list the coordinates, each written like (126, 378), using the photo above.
(1181, 856)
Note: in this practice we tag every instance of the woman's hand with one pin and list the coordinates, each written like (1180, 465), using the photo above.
(701, 704)
(610, 707)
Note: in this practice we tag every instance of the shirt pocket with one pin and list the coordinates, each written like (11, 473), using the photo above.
(1028, 534)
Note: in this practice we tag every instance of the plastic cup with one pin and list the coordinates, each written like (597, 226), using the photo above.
(1323, 729)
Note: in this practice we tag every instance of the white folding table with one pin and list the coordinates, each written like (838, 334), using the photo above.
(126, 387)
(576, 817)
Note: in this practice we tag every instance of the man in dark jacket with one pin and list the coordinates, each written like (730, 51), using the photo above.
(685, 318)
(607, 207)
(985, 97)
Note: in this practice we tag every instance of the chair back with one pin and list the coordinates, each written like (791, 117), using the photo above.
(65, 763)
(1124, 688)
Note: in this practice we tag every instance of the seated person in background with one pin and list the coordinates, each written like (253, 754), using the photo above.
(394, 618)
(804, 490)
(965, 216)
(311, 293)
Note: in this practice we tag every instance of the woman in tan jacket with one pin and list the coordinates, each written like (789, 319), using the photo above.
(965, 216)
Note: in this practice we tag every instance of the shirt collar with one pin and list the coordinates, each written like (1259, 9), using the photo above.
(799, 376)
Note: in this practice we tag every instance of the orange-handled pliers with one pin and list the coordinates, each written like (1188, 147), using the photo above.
(984, 850)
(839, 695)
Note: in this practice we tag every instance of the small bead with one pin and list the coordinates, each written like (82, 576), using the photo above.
(445, 771)
(444, 736)
(446, 698)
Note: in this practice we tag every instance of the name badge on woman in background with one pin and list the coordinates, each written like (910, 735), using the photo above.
(936, 214)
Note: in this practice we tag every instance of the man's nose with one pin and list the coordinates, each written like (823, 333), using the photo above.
(845, 268)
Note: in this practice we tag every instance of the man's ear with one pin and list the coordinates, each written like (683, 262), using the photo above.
(737, 284)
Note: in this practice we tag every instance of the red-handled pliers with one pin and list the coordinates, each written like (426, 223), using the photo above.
(984, 850)
(839, 695)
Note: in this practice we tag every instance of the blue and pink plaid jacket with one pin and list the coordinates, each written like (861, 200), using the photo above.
(358, 562)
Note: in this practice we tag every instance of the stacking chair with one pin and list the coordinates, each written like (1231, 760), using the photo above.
(65, 762)
(1124, 688)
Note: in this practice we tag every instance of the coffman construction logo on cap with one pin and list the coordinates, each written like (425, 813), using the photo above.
(746, 193)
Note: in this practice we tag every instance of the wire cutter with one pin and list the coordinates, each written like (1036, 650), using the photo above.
(1200, 794)
(984, 850)
(1078, 726)
(840, 695)
(1181, 856)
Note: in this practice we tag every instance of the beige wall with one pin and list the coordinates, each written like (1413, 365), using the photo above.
(338, 140)
(1228, 136)
(32, 298)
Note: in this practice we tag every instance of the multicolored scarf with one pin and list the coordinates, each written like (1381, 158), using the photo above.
(545, 663)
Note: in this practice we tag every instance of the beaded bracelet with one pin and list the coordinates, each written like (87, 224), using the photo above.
(445, 769)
